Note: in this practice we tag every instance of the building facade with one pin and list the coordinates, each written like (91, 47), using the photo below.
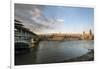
(88, 35)
(24, 38)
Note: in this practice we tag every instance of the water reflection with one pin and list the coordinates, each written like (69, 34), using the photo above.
(55, 51)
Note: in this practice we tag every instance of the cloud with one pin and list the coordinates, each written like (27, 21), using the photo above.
(32, 17)
(60, 20)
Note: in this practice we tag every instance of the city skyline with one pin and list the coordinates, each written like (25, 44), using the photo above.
(51, 19)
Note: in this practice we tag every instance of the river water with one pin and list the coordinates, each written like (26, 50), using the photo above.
(55, 51)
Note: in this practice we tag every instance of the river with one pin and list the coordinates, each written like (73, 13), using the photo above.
(55, 51)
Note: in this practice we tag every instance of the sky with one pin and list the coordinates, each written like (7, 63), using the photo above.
(54, 19)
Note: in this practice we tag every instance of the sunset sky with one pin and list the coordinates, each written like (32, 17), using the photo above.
(51, 19)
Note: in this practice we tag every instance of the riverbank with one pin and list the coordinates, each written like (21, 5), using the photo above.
(86, 57)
